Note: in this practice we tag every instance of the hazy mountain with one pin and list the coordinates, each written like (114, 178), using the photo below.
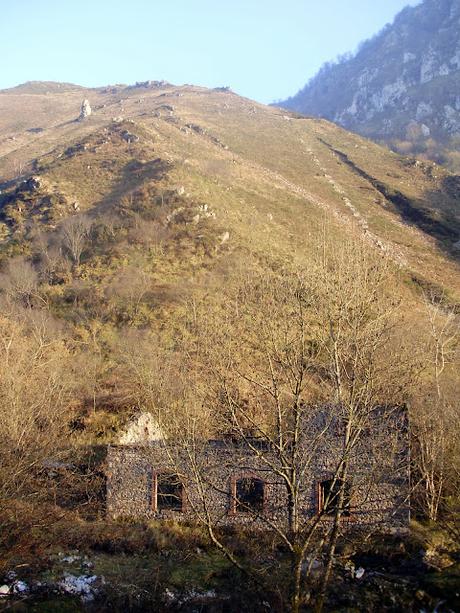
(402, 87)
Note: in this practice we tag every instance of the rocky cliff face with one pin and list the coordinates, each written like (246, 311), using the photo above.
(402, 86)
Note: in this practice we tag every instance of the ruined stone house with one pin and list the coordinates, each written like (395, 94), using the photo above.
(239, 482)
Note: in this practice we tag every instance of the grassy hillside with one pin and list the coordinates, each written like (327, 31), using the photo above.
(145, 245)
(180, 186)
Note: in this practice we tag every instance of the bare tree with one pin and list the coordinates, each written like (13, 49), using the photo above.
(155, 380)
(75, 236)
(131, 288)
(298, 359)
(20, 282)
(35, 391)
(434, 420)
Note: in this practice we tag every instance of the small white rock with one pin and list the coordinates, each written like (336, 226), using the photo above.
(359, 574)
(20, 587)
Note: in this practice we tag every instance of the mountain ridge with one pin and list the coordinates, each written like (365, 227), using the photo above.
(108, 102)
(401, 87)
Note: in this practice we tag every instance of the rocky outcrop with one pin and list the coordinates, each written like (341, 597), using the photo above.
(149, 85)
(32, 184)
(85, 110)
(129, 137)
(401, 85)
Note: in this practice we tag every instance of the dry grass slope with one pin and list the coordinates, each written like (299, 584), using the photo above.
(183, 186)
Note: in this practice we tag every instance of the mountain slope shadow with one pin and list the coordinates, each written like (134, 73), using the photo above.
(133, 175)
(429, 213)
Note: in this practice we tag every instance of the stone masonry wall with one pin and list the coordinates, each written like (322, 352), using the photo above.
(378, 474)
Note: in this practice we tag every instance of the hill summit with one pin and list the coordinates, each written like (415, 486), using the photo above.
(402, 86)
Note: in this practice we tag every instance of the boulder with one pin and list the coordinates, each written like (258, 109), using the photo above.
(129, 137)
(359, 574)
(32, 184)
(83, 586)
(20, 587)
(85, 110)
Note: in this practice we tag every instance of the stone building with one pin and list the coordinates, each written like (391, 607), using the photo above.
(240, 480)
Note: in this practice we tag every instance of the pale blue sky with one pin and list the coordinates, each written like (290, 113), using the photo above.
(262, 49)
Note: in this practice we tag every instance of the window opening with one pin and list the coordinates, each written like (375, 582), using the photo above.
(169, 492)
(249, 495)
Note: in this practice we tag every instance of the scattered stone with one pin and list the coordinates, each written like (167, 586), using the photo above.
(33, 184)
(20, 587)
(196, 128)
(4, 590)
(224, 237)
(82, 586)
(85, 110)
(166, 107)
(129, 137)
(174, 214)
(359, 574)
(205, 211)
(74, 149)
(189, 597)
(149, 84)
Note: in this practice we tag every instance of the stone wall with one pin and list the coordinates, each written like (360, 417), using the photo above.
(379, 477)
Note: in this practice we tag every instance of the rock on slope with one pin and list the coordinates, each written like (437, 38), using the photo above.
(402, 86)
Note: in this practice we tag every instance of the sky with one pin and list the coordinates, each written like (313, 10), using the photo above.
(263, 49)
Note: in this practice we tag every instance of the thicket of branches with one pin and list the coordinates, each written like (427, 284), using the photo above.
(251, 358)
(259, 364)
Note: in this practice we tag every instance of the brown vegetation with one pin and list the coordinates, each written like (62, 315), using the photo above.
(138, 302)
